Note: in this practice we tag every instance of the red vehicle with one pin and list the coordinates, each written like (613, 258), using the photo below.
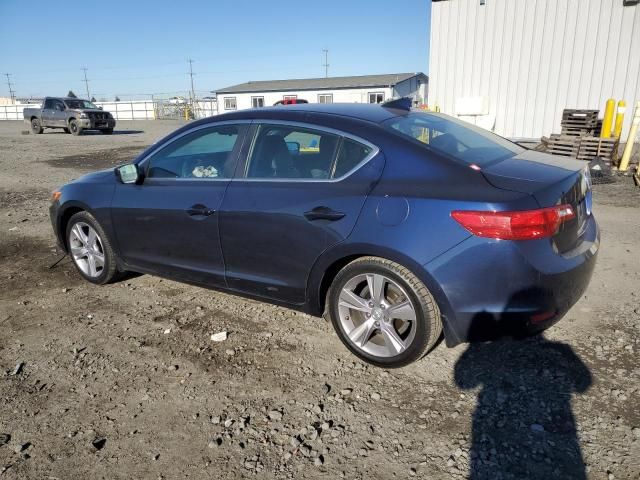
(290, 101)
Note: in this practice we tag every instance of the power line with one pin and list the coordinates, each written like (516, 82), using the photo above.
(86, 83)
(326, 62)
(193, 94)
(12, 93)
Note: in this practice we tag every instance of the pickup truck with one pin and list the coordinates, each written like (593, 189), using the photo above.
(71, 114)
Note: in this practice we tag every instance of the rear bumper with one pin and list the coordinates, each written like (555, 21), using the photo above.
(497, 288)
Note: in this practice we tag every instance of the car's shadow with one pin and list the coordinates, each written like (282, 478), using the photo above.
(115, 132)
(93, 132)
(523, 425)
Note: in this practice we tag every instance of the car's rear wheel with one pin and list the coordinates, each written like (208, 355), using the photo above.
(36, 127)
(74, 128)
(383, 313)
(90, 249)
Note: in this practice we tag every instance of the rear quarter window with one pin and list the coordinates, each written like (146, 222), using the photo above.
(351, 153)
(453, 138)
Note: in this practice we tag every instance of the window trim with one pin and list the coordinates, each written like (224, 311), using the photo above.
(242, 177)
(330, 95)
(374, 93)
(144, 163)
(235, 100)
(255, 98)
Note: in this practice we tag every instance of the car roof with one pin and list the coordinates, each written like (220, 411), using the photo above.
(362, 111)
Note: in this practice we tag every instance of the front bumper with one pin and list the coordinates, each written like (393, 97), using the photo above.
(95, 124)
(495, 288)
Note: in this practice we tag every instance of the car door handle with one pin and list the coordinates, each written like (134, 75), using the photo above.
(323, 213)
(200, 210)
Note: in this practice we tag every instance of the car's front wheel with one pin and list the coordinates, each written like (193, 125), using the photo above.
(74, 127)
(90, 249)
(383, 313)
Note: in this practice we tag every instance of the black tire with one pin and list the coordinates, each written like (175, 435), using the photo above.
(428, 324)
(66, 130)
(108, 131)
(74, 128)
(36, 126)
(110, 270)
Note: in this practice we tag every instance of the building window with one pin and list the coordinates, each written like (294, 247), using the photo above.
(290, 97)
(257, 102)
(376, 97)
(230, 103)
(325, 98)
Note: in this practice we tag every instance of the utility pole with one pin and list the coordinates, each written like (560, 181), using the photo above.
(12, 93)
(326, 62)
(86, 82)
(191, 74)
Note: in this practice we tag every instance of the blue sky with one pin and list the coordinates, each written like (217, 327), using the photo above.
(141, 47)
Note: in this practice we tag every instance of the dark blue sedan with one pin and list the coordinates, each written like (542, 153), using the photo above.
(396, 224)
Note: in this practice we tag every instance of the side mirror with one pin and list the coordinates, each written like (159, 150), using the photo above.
(100, 108)
(128, 173)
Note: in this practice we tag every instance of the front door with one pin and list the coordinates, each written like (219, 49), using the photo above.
(301, 192)
(169, 223)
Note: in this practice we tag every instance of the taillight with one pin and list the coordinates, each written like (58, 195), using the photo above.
(518, 225)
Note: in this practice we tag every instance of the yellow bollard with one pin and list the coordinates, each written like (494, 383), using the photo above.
(608, 118)
(628, 148)
(617, 129)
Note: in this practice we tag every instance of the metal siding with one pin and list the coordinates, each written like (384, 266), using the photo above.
(534, 58)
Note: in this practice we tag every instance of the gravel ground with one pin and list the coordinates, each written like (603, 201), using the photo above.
(124, 381)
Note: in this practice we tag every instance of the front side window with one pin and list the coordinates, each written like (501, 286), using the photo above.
(454, 138)
(325, 98)
(376, 97)
(48, 104)
(257, 102)
(230, 103)
(283, 151)
(203, 154)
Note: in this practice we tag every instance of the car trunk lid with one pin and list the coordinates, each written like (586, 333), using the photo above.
(551, 180)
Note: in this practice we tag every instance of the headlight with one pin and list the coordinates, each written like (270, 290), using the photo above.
(84, 115)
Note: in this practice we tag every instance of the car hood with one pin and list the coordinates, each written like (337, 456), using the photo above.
(530, 171)
(101, 176)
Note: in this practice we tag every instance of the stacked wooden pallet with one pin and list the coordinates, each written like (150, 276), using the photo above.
(583, 148)
(565, 145)
(591, 147)
(578, 123)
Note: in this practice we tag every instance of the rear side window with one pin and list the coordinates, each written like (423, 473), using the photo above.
(454, 138)
(287, 151)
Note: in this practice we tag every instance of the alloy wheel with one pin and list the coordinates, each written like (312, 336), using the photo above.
(377, 315)
(86, 249)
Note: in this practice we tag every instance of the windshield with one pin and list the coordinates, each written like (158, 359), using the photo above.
(454, 138)
(80, 104)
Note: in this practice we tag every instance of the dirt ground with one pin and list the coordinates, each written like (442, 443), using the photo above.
(123, 381)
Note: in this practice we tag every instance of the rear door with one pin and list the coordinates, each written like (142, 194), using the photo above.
(169, 223)
(300, 191)
(48, 113)
(59, 117)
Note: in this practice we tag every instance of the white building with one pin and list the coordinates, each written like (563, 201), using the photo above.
(514, 65)
(359, 89)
